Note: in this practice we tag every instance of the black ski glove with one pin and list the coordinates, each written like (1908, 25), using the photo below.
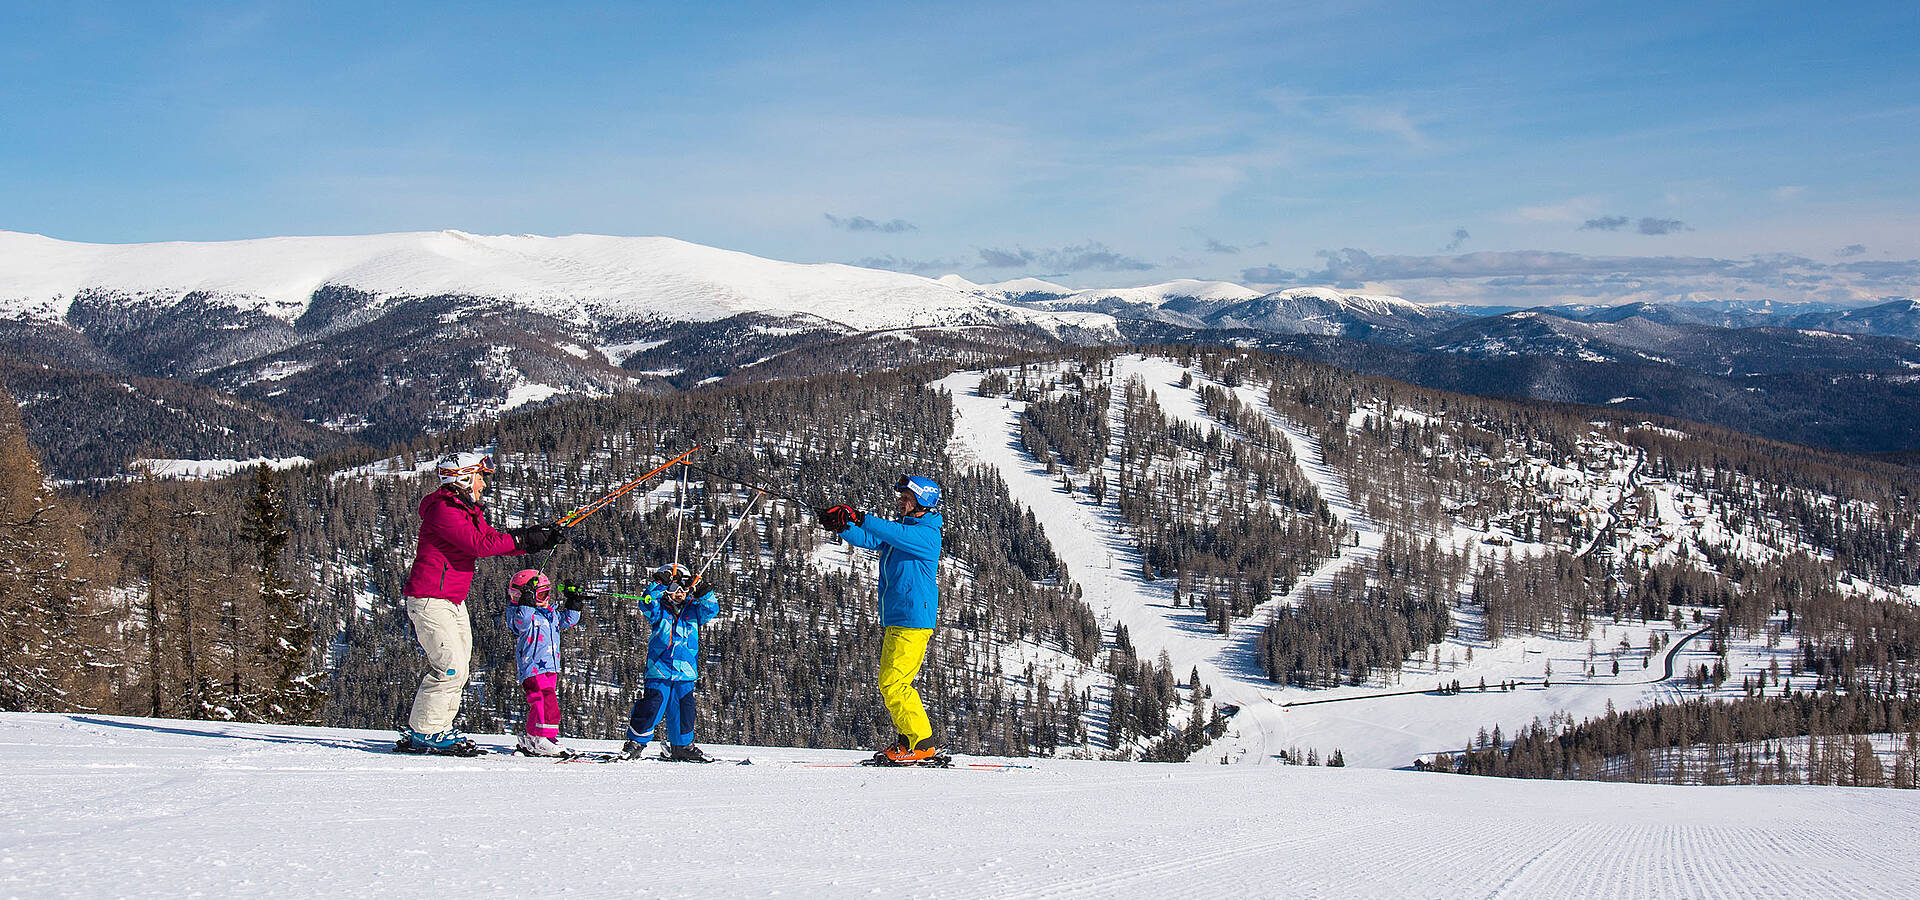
(838, 518)
(535, 538)
(576, 603)
(528, 539)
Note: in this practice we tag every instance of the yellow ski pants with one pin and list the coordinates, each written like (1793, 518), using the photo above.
(902, 650)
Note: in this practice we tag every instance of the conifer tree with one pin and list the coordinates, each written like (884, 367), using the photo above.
(285, 637)
(52, 649)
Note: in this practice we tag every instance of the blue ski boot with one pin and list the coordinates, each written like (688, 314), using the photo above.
(446, 743)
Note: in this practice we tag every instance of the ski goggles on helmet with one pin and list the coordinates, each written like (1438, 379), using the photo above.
(483, 467)
(925, 491)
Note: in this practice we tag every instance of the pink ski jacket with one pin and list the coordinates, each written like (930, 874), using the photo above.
(453, 533)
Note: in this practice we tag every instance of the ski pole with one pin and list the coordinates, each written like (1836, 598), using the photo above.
(600, 595)
(679, 515)
(573, 518)
(723, 541)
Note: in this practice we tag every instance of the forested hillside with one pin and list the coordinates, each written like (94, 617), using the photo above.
(1331, 532)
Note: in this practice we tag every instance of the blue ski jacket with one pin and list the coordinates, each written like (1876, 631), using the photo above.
(537, 632)
(673, 652)
(909, 566)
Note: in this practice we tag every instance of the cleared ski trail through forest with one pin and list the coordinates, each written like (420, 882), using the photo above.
(1105, 562)
(97, 806)
(1399, 721)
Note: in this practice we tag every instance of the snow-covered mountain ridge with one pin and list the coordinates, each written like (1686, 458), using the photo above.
(1192, 303)
(383, 337)
(580, 278)
(374, 338)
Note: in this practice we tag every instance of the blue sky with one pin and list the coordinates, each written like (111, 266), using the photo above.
(1465, 152)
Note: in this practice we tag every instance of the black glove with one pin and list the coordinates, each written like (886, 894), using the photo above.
(535, 538)
(576, 603)
(838, 518)
(576, 596)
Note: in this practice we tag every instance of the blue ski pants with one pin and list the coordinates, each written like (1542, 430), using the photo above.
(659, 698)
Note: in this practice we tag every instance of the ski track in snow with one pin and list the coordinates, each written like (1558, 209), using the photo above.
(1091, 540)
(98, 806)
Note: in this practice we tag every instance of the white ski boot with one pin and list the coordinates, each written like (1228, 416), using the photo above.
(530, 745)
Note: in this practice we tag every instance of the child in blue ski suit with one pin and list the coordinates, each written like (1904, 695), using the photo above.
(536, 648)
(673, 654)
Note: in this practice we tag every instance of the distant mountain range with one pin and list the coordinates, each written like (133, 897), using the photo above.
(317, 342)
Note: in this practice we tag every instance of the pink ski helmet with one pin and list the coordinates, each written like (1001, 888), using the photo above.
(529, 587)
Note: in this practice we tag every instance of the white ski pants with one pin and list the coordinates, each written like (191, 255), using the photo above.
(446, 633)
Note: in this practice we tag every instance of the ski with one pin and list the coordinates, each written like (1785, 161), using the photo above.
(563, 756)
(942, 761)
(618, 757)
(936, 761)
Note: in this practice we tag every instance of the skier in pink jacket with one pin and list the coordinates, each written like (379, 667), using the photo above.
(453, 533)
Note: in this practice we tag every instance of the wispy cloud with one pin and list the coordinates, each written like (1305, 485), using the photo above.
(1269, 274)
(1391, 122)
(862, 223)
(915, 266)
(1353, 265)
(1572, 209)
(1851, 250)
(1787, 192)
(1214, 246)
(1646, 225)
(1090, 256)
(1460, 236)
(1544, 276)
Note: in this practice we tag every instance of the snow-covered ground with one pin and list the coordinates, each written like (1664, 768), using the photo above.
(112, 807)
(208, 468)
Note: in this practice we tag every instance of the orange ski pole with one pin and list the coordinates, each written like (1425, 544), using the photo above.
(573, 518)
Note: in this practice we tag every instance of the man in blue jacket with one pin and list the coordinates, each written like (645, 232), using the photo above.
(909, 604)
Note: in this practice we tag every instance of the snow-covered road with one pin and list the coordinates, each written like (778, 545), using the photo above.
(108, 807)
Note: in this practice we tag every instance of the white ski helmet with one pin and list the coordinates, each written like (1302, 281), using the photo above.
(459, 468)
(673, 573)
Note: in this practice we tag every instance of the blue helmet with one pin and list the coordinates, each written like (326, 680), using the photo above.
(926, 491)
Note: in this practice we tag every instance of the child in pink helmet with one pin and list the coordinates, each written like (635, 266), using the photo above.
(536, 647)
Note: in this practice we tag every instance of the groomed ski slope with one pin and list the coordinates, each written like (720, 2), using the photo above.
(114, 807)
(1379, 731)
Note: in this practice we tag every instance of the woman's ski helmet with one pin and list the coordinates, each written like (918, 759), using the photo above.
(529, 586)
(459, 468)
(925, 491)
